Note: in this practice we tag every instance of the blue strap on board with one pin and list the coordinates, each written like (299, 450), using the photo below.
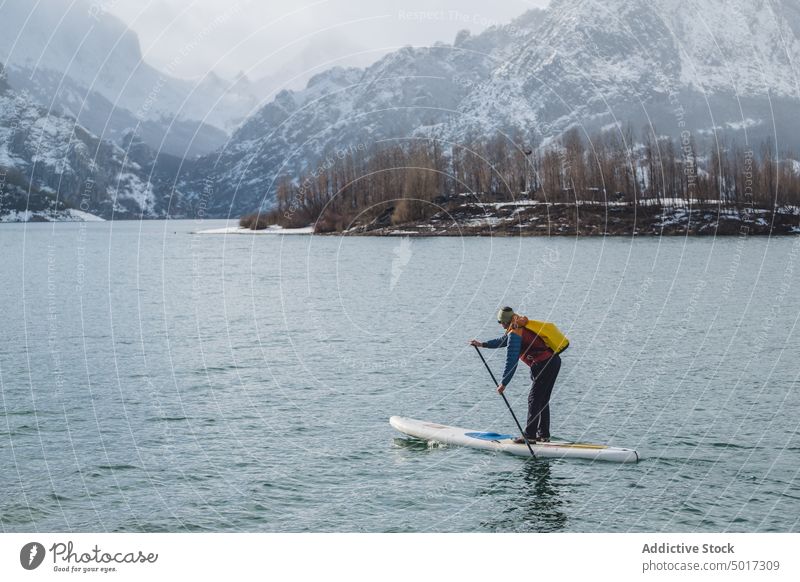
(489, 436)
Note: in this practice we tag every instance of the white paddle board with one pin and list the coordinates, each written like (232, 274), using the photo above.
(492, 441)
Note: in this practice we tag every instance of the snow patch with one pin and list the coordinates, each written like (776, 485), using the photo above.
(68, 215)
(269, 230)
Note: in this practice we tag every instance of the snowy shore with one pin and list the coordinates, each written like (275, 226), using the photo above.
(530, 218)
(68, 215)
(270, 230)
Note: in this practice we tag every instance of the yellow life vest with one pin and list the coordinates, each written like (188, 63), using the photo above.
(549, 332)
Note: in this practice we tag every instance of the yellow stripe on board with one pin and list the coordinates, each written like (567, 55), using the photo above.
(574, 445)
(568, 445)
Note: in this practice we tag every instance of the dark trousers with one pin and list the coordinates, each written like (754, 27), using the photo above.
(543, 376)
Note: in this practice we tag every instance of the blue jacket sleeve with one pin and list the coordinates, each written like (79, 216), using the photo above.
(514, 343)
(500, 342)
(512, 357)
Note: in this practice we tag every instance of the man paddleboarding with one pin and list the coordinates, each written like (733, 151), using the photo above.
(537, 344)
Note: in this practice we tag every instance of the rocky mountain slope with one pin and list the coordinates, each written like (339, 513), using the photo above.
(712, 72)
(674, 65)
(351, 110)
(49, 162)
(715, 71)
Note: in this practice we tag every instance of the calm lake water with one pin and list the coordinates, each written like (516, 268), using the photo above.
(155, 380)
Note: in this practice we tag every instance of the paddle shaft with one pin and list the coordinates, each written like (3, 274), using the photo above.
(488, 369)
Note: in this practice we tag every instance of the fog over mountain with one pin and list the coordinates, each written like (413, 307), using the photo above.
(720, 71)
(86, 63)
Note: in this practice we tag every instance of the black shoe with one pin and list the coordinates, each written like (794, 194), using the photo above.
(521, 441)
(543, 439)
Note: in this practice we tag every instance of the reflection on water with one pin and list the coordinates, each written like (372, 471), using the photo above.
(532, 501)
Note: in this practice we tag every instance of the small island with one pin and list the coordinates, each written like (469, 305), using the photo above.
(609, 184)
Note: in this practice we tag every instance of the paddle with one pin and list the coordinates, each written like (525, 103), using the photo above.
(522, 432)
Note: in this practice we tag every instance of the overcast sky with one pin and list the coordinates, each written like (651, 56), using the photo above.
(264, 38)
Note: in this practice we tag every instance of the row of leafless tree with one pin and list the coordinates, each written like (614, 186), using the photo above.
(414, 178)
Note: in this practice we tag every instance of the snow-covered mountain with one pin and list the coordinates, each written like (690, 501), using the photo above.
(678, 64)
(78, 59)
(48, 162)
(91, 109)
(719, 69)
(351, 110)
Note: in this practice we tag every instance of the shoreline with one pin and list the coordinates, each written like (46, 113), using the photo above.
(34, 216)
(585, 219)
(526, 218)
(531, 218)
(272, 230)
